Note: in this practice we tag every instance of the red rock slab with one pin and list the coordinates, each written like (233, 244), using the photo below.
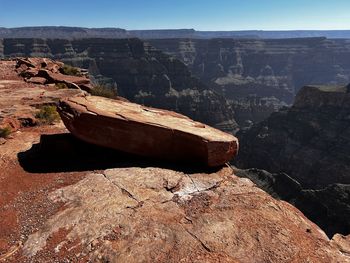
(57, 77)
(141, 130)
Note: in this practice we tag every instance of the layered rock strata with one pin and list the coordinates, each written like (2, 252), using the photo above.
(261, 76)
(83, 32)
(311, 143)
(141, 74)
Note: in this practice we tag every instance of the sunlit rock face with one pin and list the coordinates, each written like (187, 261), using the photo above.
(261, 76)
(140, 72)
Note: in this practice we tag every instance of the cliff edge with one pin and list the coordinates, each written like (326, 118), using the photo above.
(65, 200)
(306, 146)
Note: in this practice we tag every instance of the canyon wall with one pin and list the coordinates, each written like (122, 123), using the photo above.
(310, 142)
(255, 77)
(140, 72)
(261, 76)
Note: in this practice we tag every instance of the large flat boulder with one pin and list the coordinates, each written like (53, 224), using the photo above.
(141, 130)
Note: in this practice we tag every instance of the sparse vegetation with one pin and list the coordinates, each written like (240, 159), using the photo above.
(61, 85)
(5, 132)
(104, 91)
(47, 115)
(69, 70)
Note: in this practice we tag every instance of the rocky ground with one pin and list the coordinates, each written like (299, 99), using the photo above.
(62, 200)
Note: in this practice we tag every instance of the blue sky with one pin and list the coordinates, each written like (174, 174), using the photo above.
(161, 14)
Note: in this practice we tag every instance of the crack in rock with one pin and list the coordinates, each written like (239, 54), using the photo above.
(146, 222)
(198, 240)
(124, 191)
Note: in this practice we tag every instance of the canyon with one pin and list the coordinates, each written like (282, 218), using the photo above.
(66, 200)
(259, 77)
(286, 99)
(306, 147)
(240, 81)
(139, 72)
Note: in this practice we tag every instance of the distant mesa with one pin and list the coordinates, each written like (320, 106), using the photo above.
(82, 32)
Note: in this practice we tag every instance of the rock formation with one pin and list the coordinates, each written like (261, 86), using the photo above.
(62, 32)
(159, 215)
(46, 71)
(311, 143)
(141, 73)
(137, 129)
(256, 77)
(21, 98)
(86, 203)
(261, 76)
(328, 207)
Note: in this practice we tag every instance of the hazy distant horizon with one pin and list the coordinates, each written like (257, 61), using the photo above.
(160, 29)
(205, 15)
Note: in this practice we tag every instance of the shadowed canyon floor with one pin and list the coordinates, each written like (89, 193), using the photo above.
(62, 200)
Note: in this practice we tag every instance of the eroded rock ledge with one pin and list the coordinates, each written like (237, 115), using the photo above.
(159, 215)
(134, 214)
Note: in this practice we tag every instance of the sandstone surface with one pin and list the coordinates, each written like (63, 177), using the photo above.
(47, 71)
(137, 129)
(21, 100)
(147, 214)
(160, 215)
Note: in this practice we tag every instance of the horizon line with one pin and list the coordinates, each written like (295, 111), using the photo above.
(159, 29)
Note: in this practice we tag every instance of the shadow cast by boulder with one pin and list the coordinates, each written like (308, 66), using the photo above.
(65, 153)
